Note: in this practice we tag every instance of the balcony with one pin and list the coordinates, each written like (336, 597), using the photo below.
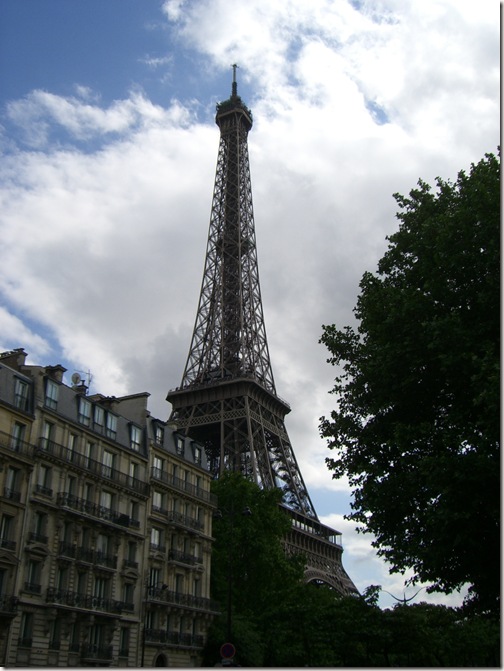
(96, 653)
(173, 638)
(35, 537)
(183, 558)
(80, 461)
(7, 441)
(67, 550)
(45, 491)
(33, 587)
(89, 508)
(12, 494)
(8, 605)
(183, 486)
(166, 596)
(6, 544)
(110, 561)
(84, 601)
(184, 520)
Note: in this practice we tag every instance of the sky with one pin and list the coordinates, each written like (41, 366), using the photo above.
(108, 152)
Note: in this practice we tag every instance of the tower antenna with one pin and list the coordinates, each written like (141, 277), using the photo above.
(234, 89)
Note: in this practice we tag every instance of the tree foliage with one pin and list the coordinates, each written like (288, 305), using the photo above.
(416, 428)
(280, 621)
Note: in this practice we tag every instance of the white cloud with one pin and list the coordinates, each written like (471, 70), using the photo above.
(104, 243)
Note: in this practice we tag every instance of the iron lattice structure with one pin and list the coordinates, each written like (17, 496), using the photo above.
(227, 398)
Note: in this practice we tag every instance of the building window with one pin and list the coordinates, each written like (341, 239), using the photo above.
(47, 435)
(106, 500)
(84, 415)
(72, 485)
(72, 446)
(155, 539)
(99, 418)
(154, 577)
(158, 502)
(158, 434)
(32, 584)
(26, 630)
(179, 441)
(89, 450)
(22, 395)
(44, 480)
(102, 545)
(6, 532)
(11, 489)
(55, 634)
(124, 642)
(111, 429)
(39, 528)
(134, 470)
(18, 436)
(135, 437)
(108, 463)
(197, 454)
(158, 468)
(51, 394)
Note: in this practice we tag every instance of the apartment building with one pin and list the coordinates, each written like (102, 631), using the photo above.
(105, 528)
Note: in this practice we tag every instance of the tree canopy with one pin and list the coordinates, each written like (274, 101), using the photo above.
(416, 425)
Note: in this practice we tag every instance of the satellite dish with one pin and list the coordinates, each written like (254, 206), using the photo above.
(76, 378)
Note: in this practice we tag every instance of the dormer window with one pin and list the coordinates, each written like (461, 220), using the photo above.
(197, 454)
(21, 394)
(99, 419)
(84, 411)
(179, 443)
(135, 437)
(158, 434)
(111, 426)
(51, 394)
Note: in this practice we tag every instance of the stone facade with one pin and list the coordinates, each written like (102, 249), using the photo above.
(105, 528)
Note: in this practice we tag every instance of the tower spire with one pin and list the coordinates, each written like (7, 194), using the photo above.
(234, 88)
(227, 398)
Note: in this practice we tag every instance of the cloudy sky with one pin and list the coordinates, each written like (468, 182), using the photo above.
(109, 149)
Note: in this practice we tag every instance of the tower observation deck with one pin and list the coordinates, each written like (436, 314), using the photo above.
(227, 399)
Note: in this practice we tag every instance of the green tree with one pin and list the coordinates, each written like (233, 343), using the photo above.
(416, 427)
(251, 573)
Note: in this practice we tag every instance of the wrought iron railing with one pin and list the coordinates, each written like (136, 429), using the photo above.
(85, 601)
(174, 638)
(187, 600)
(8, 604)
(182, 557)
(182, 485)
(88, 507)
(81, 461)
(91, 652)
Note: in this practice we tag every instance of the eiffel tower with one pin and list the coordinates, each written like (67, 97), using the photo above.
(227, 398)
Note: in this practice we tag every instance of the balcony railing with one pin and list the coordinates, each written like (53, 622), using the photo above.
(183, 557)
(67, 550)
(35, 537)
(81, 461)
(12, 494)
(6, 544)
(77, 600)
(184, 520)
(89, 508)
(183, 486)
(12, 443)
(96, 652)
(129, 563)
(33, 587)
(8, 605)
(174, 638)
(25, 642)
(42, 489)
(156, 594)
